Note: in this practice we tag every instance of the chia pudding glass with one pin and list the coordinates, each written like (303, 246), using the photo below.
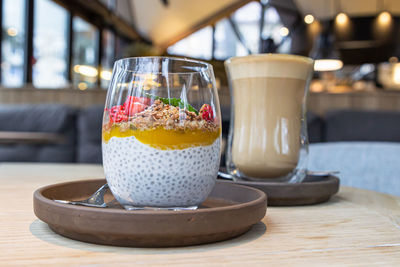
(161, 133)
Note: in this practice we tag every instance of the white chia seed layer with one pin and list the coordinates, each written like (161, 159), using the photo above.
(140, 175)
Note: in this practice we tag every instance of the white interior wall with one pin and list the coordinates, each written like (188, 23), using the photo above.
(162, 23)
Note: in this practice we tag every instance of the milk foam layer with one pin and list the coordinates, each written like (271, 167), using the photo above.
(270, 65)
(141, 175)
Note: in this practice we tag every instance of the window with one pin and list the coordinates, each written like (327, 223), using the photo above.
(197, 45)
(84, 59)
(50, 45)
(107, 61)
(272, 29)
(226, 43)
(13, 43)
(248, 20)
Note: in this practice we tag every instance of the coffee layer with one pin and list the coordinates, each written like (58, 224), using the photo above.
(267, 123)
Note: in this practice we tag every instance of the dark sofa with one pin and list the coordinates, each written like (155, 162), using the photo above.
(81, 130)
(353, 125)
(49, 118)
(89, 134)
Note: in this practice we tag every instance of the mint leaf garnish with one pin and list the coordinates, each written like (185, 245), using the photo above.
(176, 102)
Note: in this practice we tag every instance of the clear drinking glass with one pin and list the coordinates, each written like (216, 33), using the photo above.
(268, 138)
(161, 133)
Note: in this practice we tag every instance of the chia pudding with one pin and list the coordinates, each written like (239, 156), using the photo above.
(156, 154)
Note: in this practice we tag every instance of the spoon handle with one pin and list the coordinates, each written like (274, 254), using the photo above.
(81, 203)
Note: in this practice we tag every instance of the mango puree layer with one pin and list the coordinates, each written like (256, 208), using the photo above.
(164, 139)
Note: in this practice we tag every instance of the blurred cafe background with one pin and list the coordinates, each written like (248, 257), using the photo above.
(57, 58)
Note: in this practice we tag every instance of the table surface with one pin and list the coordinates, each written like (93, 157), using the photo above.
(357, 227)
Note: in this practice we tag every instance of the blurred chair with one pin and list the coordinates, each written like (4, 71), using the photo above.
(362, 146)
(368, 165)
(37, 133)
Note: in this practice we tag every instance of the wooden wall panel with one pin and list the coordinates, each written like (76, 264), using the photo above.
(71, 97)
(320, 103)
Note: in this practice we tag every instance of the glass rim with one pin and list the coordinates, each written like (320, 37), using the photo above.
(203, 66)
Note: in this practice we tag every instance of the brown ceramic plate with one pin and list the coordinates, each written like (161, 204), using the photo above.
(229, 211)
(313, 190)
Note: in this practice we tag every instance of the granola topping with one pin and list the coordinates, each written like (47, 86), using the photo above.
(165, 126)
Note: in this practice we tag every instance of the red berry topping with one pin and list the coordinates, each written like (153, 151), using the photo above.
(117, 114)
(131, 106)
(134, 99)
(206, 112)
(135, 104)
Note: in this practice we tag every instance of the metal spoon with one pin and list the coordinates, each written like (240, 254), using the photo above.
(228, 176)
(96, 200)
(322, 173)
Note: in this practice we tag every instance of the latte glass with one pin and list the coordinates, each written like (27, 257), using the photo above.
(161, 133)
(268, 132)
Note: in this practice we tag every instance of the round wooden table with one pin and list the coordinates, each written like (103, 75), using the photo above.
(357, 227)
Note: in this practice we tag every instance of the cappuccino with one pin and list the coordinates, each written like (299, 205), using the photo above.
(268, 92)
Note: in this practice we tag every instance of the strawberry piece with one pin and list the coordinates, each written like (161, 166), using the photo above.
(135, 104)
(117, 114)
(134, 108)
(134, 99)
(131, 106)
(206, 112)
(120, 117)
(115, 110)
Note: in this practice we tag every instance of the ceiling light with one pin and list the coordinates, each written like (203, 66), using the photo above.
(82, 86)
(327, 64)
(105, 75)
(284, 31)
(309, 19)
(384, 17)
(342, 18)
(76, 68)
(12, 31)
(396, 74)
(85, 70)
